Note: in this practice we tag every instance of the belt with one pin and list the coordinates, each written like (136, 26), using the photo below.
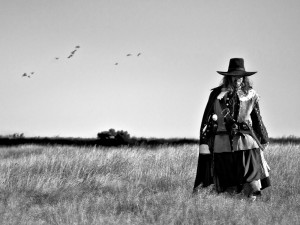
(237, 128)
(240, 126)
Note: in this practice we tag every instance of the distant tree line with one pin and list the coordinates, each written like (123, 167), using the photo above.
(113, 138)
(104, 138)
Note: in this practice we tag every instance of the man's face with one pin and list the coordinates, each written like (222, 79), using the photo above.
(237, 80)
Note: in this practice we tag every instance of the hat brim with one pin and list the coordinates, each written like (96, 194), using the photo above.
(236, 73)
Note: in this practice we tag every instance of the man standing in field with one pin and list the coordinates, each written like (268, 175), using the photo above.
(233, 137)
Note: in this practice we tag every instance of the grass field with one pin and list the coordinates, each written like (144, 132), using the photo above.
(72, 185)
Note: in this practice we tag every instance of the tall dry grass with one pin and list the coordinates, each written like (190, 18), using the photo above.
(71, 185)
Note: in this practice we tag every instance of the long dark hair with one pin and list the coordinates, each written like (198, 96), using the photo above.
(227, 83)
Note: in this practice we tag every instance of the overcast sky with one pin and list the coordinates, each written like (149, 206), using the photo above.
(162, 92)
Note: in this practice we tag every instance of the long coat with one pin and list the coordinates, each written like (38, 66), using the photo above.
(204, 170)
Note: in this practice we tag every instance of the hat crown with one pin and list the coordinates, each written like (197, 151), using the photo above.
(236, 68)
(236, 64)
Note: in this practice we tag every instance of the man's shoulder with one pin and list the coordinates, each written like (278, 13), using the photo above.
(216, 90)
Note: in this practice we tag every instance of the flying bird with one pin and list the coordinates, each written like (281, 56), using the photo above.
(128, 55)
(73, 52)
(56, 58)
(25, 75)
(116, 64)
(139, 54)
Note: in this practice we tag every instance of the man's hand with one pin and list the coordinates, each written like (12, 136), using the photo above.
(265, 145)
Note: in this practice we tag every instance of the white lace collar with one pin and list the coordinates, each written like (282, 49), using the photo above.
(242, 96)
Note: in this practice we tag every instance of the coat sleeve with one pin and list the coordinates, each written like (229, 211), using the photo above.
(204, 123)
(258, 125)
(204, 138)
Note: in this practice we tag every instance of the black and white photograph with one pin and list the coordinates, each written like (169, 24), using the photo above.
(149, 112)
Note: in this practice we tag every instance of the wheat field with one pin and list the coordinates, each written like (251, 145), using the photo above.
(135, 185)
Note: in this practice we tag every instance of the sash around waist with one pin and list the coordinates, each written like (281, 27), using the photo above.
(241, 141)
(221, 132)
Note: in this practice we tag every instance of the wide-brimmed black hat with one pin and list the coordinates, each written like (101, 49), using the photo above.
(236, 68)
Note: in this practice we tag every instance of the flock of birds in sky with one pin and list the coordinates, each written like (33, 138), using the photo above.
(129, 54)
(28, 75)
